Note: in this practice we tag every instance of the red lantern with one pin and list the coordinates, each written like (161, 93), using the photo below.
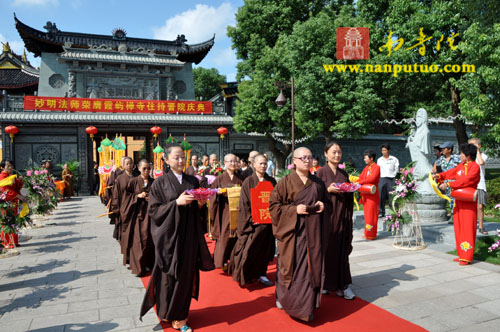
(11, 130)
(91, 131)
(222, 131)
(155, 131)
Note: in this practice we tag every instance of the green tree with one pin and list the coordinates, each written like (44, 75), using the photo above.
(442, 94)
(259, 25)
(480, 98)
(328, 104)
(206, 82)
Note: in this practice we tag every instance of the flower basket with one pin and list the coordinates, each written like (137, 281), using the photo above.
(201, 193)
(347, 187)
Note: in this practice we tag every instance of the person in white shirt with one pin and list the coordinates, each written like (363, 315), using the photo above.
(270, 166)
(389, 167)
(481, 158)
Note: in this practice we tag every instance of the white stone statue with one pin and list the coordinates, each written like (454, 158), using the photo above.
(419, 143)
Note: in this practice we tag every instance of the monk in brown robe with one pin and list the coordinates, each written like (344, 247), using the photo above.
(255, 246)
(180, 247)
(193, 168)
(121, 197)
(219, 213)
(136, 241)
(339, 246)
(67, 176)
(299, 217)
(249, 170)
(108, 193)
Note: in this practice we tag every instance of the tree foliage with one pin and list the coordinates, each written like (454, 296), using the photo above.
(276, 40)
(206, 82)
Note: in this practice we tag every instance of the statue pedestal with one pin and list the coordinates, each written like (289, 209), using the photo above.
(431, 209)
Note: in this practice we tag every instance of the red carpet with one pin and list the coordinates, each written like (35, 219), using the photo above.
(225, 306)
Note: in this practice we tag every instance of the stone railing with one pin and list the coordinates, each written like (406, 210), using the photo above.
(13, 104)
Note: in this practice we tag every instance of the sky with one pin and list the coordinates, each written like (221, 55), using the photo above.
(154, 19)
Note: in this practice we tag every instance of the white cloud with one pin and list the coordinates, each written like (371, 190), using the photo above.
(225, 57)
(198, 24)
(35, 2)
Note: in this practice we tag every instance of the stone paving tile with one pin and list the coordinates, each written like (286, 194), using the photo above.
(97, 304)
(74, 266)
(486, 279)
(490, 325)
(119, 311)
(16, 325)
(455, 319)
(81, 317)
(490, 292)
(491, 306)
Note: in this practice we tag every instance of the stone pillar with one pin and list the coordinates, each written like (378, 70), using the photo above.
(6, 146)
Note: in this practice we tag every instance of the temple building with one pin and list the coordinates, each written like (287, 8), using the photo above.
(17, 76)
(77, 66)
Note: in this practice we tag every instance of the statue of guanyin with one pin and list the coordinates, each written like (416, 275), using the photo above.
(419, 143)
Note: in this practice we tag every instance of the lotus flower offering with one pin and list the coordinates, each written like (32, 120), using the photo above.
(201, 193)
(347, 187)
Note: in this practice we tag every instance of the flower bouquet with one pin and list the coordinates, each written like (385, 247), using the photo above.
(496, 246)
(201, 193)
(347, 186)
(11, 220)
(394, 220)
(216, 170)
(406, 186)
(42, 194)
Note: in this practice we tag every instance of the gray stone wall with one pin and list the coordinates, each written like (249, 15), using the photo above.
(183, 85)
(53, 76)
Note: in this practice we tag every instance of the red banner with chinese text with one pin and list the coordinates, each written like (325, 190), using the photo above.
(117, 105)
(259, 198)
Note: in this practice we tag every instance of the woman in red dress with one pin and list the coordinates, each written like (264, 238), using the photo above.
(12, 194)
(466, 175)
(370, 175)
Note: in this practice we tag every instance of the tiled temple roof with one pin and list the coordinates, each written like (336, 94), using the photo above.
(53, 41)
(15, 71)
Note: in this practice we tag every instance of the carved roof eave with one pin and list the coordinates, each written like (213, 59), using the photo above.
(37, 42)
(17, 62)
(116, 57)
(115, 118)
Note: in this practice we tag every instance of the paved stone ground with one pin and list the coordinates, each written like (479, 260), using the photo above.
(69, 277)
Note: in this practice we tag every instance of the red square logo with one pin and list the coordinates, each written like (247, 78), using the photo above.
(353, 43)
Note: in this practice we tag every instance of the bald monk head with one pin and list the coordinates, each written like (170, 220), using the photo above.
(302, 158)
(214, 160)
(122, 160)
(251, 156)
(230, 162)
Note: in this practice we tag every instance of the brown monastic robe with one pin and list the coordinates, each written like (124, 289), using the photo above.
(136, 241)
(108, 196)
(339, 246)
(219, 214)
(180, 249)
(255, 246)
(300, 243)
(190, 170)
(68, 183)
(246, 173)
(119, 201)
